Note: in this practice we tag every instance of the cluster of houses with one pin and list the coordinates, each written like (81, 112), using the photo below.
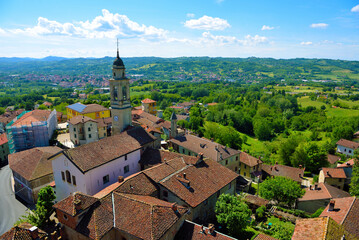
(118, 182)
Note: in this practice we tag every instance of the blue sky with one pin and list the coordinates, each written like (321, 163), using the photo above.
(171, 28)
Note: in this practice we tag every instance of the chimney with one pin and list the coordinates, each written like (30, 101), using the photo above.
(300, 166)
(184, 175)
(331, 205)
(310, 187)
(315, 186)
(300, 175)
(174, 207)
(34, 232)
(211, 228)
(77, 203)
(120, 179)
(202, 229)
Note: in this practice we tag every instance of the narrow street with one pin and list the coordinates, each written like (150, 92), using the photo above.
(11, 209)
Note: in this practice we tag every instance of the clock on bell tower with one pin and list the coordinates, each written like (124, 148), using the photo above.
(120, 97)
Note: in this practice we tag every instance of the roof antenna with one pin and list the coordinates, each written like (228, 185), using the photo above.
(118, 55)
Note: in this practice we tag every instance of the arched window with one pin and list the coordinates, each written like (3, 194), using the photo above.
(68, 176)
(124, 92)
(115, 93)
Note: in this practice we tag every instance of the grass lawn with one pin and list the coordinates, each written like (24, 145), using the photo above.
(253, 146)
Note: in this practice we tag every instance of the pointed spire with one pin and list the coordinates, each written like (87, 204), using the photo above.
(118, 54)
(173, 116)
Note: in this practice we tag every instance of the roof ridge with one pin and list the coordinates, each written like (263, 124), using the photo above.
(351, 205)
(169, 176)
(325, 186)
(325, 228)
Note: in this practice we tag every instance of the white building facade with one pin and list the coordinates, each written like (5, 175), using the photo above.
(69, 178)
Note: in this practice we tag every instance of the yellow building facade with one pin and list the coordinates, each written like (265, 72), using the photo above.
(94, 111)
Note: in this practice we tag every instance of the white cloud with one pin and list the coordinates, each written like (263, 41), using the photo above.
(355, 8)
(319, 25)
(249, 40)
(108, 25)
(190, 15)
(265, 27)
(207, 23)
(306, 43)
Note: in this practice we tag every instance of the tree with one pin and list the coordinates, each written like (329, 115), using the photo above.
(43, 210)
(281, 189)
(354, 184)
(232, 213)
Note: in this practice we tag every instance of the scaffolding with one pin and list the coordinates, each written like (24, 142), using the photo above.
(35, 134)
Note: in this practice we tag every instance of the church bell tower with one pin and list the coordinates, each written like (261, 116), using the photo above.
(120, 97)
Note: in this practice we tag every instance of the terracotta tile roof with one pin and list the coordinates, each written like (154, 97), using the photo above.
(182, 117)
(9, 116)
(148, 123)
(333, 158)
(98, 220)
(192, 183)
(212, 104)
(155, 216)
(33, 116)
(67, 205)
(348, 144)
(341, 209)
(176, 107)
(137, 183)
(324, 191)
(166, 124)
(22, 232)
(334, 173)
(161, 171)
(150, 117)
(147, 100)
(351, 221)
(185, 104)
(293, 173)
(80, 119)
(313, 229)
(249, 160)
(152, 157)
(48, 104)
(192, 231)
(349, 163)
(253, 199)
(103, 122)
(3, 139)
(33, 163)
(143, 217)
(209, 149)
(92, 155)
(89, 108)
(264, 237)
(136, 112)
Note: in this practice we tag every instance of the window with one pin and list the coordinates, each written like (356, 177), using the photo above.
(106, 179)
(74, 180)
(218, 193)
(182, 150)
(63, 176)
(350, 151)
(345, 150)
(245, 166)
(205, 202)
(230, 185)
(65, 217)
(165, 193)
(236, 158)
(226, 162)
(125, 157)
(104, 134)
(68, 176)
(97, 114)
(340, 180)
(75, 135)
(89, 129)
(244, 173)
(126, 169)
(74, 129)
(236, 169)
(89, 135)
